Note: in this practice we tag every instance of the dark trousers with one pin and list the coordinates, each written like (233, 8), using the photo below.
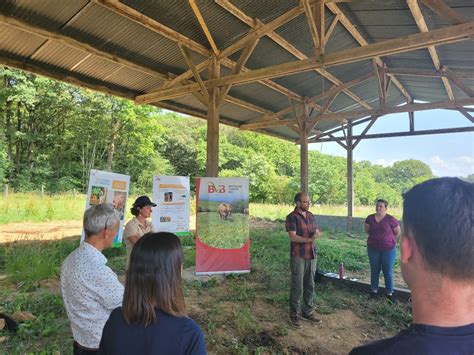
(302, 284)
(80, 350)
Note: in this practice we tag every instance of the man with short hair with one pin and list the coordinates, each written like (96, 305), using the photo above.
(91, 289)
(302, 230)
(437, 263)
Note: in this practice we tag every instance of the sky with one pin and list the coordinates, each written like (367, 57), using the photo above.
(450, 154)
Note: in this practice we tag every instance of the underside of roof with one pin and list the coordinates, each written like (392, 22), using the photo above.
(349, 56)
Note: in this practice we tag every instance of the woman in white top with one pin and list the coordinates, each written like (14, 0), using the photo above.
(138, 225)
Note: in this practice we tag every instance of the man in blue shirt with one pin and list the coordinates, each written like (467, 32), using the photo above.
(437, 263)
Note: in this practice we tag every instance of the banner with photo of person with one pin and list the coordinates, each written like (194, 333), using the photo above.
(108, 187)
(171, 194)
(222, 226)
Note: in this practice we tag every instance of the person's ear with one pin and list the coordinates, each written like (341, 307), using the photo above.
(407, 248)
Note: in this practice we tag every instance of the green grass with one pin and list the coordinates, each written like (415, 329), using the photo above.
(27, 263)
(22, 207)
(219, 233)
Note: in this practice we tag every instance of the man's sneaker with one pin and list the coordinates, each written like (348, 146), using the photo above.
(295, 321)
(312, 318)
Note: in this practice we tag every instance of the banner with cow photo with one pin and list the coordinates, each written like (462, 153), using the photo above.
(222, 226)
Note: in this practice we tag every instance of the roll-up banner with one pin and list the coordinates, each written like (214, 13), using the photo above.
(171, 194)
(222, 226)
(107, 187)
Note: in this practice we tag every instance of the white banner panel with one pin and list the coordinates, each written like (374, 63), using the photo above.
(171, 194)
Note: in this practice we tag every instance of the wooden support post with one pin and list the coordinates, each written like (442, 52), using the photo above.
(212, 162)
(350, 185)
(304, 160)
(304, 148)
(411, 116)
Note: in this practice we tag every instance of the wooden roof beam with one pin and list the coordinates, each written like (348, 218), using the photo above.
(351, 115)
(315, 34)
(246, 53)
(228, 6)
(429, 73)
(444, 11)
(335, 89)
(344, 20)
(203, 25)
(197, 76)
(153, 25)
(396, 134)
(175, 36)
(398, 45)
(73, 43)
(420, 22)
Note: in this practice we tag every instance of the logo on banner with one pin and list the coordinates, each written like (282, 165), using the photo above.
(211, 188)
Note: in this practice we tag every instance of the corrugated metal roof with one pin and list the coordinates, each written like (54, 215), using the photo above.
(107, 31)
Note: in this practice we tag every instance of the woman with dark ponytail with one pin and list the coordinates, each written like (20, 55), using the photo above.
(139, 224)
(153, 317)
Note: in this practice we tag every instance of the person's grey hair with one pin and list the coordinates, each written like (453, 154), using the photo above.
(99, 217)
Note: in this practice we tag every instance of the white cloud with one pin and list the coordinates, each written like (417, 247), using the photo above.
(385, 162)
(459, 166)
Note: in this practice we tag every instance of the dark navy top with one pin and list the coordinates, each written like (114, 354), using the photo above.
(169, 335)
(424, 339)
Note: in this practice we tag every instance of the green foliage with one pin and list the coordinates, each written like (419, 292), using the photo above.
(52, 134)
(406, 173)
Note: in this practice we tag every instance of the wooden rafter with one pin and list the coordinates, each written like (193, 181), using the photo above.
(349, 26)
(466, 114)
(32, 68)
(351, 115)
(428, 73)
(453, 77)
(228, 6)
(388, 47)
(421, 23)
(169, 33)
(90, 51)
(312, 27)
(330, 29)
(397, 134)
(203, 25)
(246, 53)
(197, 76)
(364, 132)
(444, 11)
(335, 89)
(382, 83)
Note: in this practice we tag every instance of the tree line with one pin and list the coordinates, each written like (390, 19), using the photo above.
(53, 133)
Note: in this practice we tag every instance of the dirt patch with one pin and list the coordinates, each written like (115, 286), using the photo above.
(43, 231)
(338, 332)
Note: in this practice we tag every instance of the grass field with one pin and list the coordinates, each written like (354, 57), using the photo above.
(242, 314)
(226, 234)
(23, 207)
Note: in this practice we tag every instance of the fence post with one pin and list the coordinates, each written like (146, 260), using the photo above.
(6, 190)
(74, 193)
(42, 191)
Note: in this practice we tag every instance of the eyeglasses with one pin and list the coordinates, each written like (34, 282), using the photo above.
(106, 223)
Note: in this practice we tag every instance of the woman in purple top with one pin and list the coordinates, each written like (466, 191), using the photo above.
(383, 230)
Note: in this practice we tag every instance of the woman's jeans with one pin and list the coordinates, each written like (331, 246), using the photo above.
(384, 259)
